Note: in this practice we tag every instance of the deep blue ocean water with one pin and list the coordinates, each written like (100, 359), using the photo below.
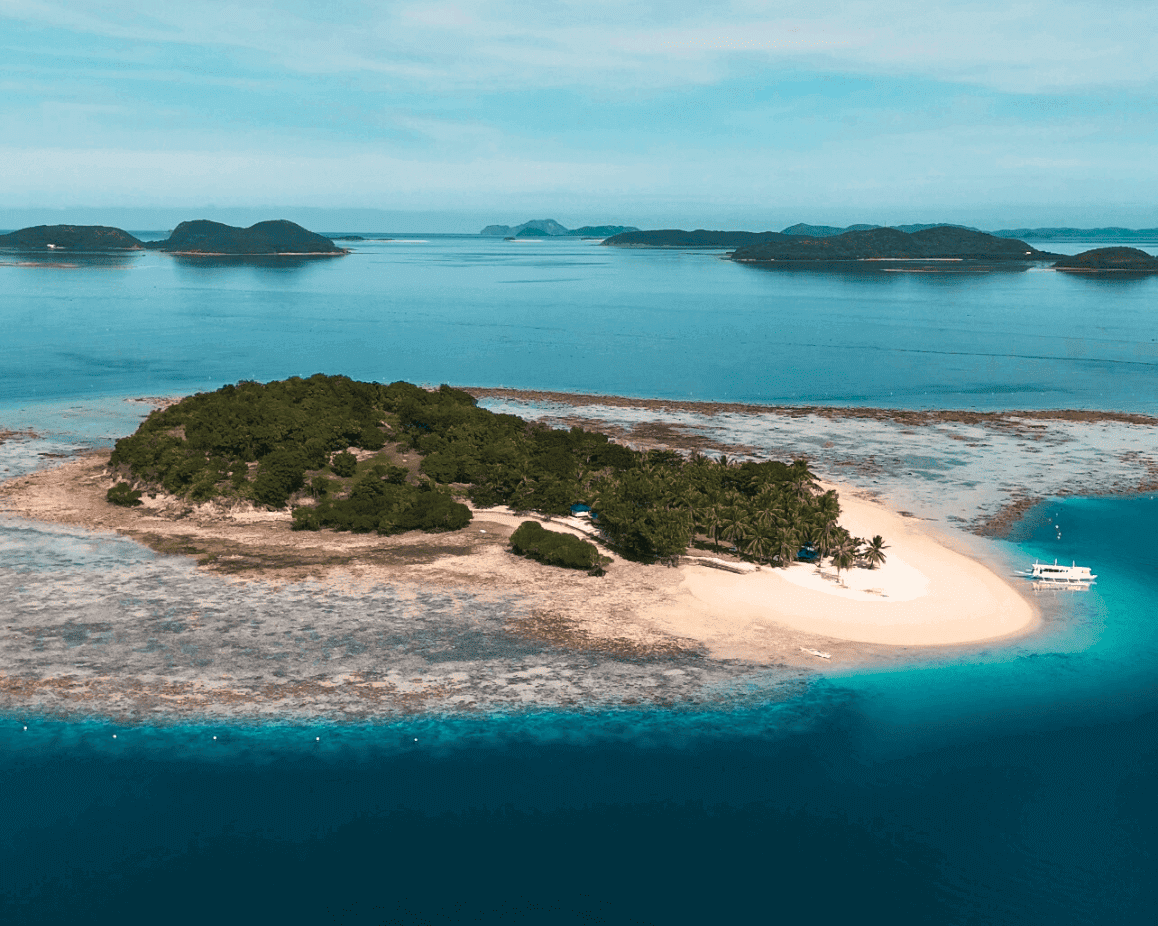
(1008, 784)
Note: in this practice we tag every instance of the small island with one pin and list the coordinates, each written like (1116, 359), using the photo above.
(1109, 260)
(942, 242)
(93, 239)
(549, 228)
(367, 458)
(265, 239)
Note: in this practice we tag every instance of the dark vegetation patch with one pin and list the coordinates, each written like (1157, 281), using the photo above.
(367, 457)
(554, 548)
(124, 495)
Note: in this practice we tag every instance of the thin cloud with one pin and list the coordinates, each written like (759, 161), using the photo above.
(1032, 46)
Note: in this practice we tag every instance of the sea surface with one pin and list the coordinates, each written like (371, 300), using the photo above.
(1011, 783)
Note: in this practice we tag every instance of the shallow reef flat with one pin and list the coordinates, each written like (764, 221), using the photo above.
(200, 611)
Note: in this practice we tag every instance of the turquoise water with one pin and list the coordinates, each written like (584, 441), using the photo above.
(1004, 783)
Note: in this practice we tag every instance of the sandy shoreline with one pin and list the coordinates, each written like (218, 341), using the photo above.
(686, 632)
(924, 595)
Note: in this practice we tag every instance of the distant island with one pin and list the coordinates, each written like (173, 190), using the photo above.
(265, 239)
(812, 243)
(549, 228)
(1129, 260)
(827, 231)
(75, 238)
(942, 242)
(700, 238)
(1078, 234)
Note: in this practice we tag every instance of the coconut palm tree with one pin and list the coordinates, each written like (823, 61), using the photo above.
(801, 479)
(714, 524)
(874, 552)
(761, 544)
(843, 554)
(735, 525)
(787, 546)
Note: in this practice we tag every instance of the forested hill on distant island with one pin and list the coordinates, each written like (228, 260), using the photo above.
(265, 239)
(826, 231)
(943, 242)
(1128, 260)
(549, 228)
(1079, 234)
(74, 238)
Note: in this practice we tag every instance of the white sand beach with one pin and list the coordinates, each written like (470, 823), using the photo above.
(926, 594)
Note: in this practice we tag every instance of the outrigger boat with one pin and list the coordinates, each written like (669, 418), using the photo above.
(1049, 575)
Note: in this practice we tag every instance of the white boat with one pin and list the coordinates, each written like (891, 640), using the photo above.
(816, 652)
(1055, 575)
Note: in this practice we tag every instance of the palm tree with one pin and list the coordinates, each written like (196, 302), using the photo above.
(874, 553)
(787, 546)
(761, 544)
(843, 554)
(801, 478)
(713, 519)
(735, 525)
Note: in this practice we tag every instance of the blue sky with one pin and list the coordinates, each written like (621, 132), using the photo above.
(445, 116)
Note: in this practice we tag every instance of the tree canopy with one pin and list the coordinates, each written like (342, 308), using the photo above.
(362, 456)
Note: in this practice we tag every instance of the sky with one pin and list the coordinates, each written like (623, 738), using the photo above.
(448, 116)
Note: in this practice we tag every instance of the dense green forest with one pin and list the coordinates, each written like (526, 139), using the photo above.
(289, 442)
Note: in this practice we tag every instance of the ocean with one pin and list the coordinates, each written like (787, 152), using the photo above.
(1007, 783)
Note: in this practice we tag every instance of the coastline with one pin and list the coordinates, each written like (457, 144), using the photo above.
(689, 632)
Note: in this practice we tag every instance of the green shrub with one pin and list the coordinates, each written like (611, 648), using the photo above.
(434, 512)
(553, 548)
(124, 494)
(306, 519)
(485, 496)
(281, 474)
(372, 438)
(344, 464)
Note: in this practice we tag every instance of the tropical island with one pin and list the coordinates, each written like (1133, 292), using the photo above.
(813, 244)
(265, 239)
(73, 238)
(389, 498)
(942, 242)
(364, 457)
(1101, 260)
(201, 237)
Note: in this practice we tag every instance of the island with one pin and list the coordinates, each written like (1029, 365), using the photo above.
(700, 238)
(73, 238)
(942, 242)
(827, 231)
(549, 228)
(265, 239)
(1103, 260)
(1079, 234)
(353, 496)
